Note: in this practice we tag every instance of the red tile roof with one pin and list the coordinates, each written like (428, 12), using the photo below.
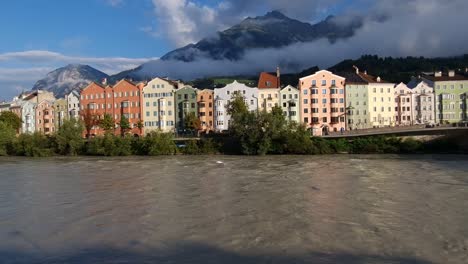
(268, 81)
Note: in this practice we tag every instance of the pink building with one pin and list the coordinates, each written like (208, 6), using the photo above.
(45, 122)
(323, 102)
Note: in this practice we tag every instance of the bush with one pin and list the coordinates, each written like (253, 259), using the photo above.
(158, 143)
(191, 148)
(339, 145)
(68, 139)
(32, 145)
(7, 136)
(410, 145)
(208, 146)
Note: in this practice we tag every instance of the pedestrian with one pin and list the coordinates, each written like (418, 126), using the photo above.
(342, 130)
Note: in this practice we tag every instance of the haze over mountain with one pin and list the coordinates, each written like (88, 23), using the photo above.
(273, 30)
(71, 77)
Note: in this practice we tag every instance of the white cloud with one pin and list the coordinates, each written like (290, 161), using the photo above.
(187, 21)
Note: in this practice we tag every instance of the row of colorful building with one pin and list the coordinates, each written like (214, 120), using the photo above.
(323, 101)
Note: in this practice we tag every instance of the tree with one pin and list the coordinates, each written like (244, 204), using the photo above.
(11, 119)
(7, 135)
(90, 120)
(192, 122)
(140, 126)
(107, 123)
(68, 138)
(124, 125)
(238, 111)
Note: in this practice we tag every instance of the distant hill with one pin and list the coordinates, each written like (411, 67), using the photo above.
(66, 79)
(273, 30)
(401, 69)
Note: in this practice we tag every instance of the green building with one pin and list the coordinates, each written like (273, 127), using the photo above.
(61, 112)
(185, 103)
(451, 90)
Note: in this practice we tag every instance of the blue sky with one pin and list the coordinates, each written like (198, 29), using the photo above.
(93, 28)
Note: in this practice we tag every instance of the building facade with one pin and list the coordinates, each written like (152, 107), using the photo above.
(404, 106)
(185, 104)
(128, 100)
(322, 102)
(222, 97)
(159, 106)
(450, 91)
(423, 98)
(124, 99)
(45, 117)
(61, 112)
(73, 104)
(206, 109)
(357, 102)
(268, 90)
(289, 102)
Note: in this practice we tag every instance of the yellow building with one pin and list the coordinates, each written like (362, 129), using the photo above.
(159, 106)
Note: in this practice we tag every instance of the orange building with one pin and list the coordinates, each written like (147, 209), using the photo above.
(205, 109)
(123, 99)
(45, 114)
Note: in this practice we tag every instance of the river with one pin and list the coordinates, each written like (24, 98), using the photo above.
(230, 209)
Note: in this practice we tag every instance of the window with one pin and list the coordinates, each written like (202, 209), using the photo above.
(306, 101)
(306, 110)
(324, 101)
(314, 83)
(305, 91)
(324, 82)
(333, 82)
(324, 91)
(324, 110)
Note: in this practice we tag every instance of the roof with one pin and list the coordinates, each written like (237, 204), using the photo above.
(268, 81)
(360, 78)
(322, 71)
(445, 78)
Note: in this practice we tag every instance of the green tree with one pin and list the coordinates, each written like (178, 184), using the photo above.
(140, 126)
(158, 143)
(68, 138)
(7, 136)
(89, 120)
(192, 122)
(107, 123)
(124, 125)
(32, 145)
(11, 119)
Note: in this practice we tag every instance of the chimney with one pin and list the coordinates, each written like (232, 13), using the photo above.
(365, 72)
(356, 68)
(438, 74)
(379, 79)
(104, 81)
(278, 76)
(466, 70)
(451, 73)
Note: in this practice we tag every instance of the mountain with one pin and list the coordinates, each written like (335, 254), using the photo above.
(71, 77)
(402, 69)
(273, 30)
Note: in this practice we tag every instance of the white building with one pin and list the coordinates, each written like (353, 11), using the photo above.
(73, 104)
(289, 102)
(222, 97)
(423, 99)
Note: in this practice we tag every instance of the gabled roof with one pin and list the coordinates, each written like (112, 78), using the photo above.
(289, 87)
(322, 71)
(268, 81)
(445, 77)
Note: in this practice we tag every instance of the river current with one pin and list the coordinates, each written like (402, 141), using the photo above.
(230, 209)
